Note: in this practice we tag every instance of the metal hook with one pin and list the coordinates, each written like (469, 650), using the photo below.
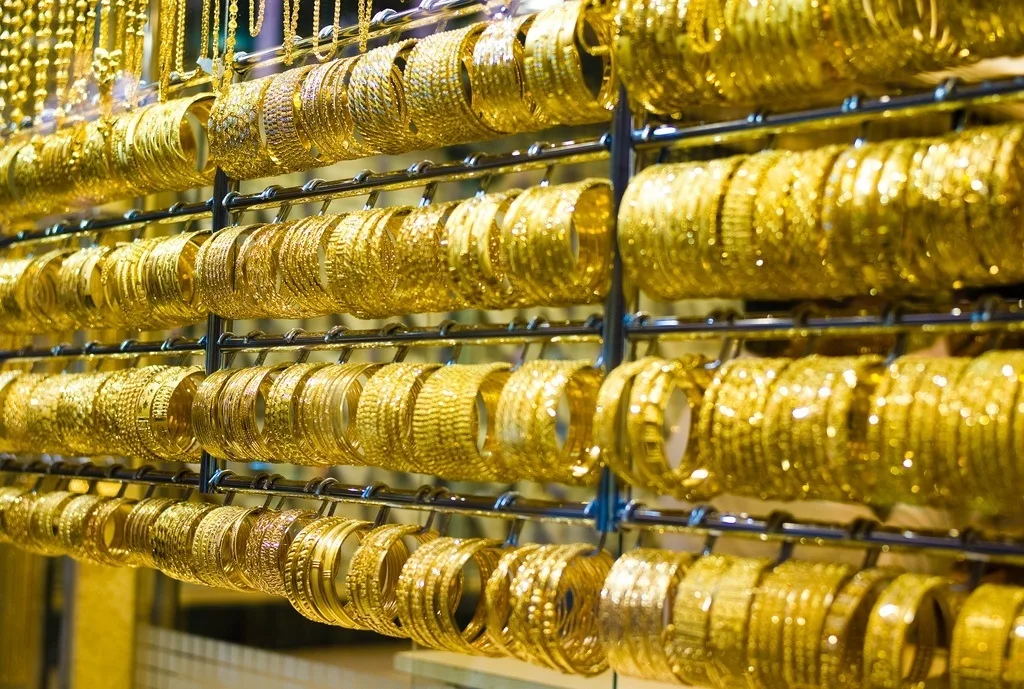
(504, 501)
(268, 485)
(217, 479)
(899, 345)
(698, 520)
(775, 526)
(443, 331)
(176, 480)
(168, 345)
(261, 357)
(336, 333)
(140, 475)
(602, 540)
(443, 519)
(484, 186)
(535, 324)
(546, 179)
(318, 492)
(401, 351)
(860, 530)
(428, 194)
(289, 339)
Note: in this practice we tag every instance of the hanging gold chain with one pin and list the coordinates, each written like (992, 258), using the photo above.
(229, 45)
(257, 17)
(365, 16)
(14, 61)
(62, 54)
(44, 32)
(291, 27)
(335, 29)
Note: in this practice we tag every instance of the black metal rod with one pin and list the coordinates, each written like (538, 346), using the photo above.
(613, 346)
(769, 327)
(179, 212)
(536, 156)
(948, 97)
(426, 498)
(589, 330)
(172, 346)
(222, 186)
(701, 520)
(707, 521)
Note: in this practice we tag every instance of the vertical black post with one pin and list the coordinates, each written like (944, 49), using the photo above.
(613, 348)
(222, 185)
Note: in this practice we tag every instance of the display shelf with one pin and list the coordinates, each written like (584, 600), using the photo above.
(779, 526)
(950, 96)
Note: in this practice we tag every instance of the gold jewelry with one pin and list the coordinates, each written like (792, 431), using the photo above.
(911, 601)
(384, 418)
(527, 427)
(499, 89)
(266, 550)
(376, 99)
(553, 68)
(448, 437)
(981, 637)
(235, 131)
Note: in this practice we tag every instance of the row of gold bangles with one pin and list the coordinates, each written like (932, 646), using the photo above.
(142, 413)
(932, 431)
(483, 422)
(703, 621)
(675, 55)
(486, 79)
(907, 216)
(149, 149)
(145, 284)
(546, 246)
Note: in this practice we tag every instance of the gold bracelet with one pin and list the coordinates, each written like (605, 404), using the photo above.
(553, 64)
(477, 266)
(729, 625)
(911, 601)
(639, 630)
(376, 100)
(219, 547)
(557, 243)
(421, 284)
(527, 429)
(266, 550)
(498, 601)
(448, 438)
(236, 139)
(385, 415)
(562, 639)
(498, 66)
(372, 579)
(172, 535)
(288, 144)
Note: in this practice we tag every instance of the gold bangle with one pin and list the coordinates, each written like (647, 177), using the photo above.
(333, 437)
(553, 64)
(842, 638)
(219, 547)
(499, 87)
(376, 100)
(372, 579)
(527, 430)
(448, 438)
(163, 414)
(266, 550)
(360, 267)
(477, 266)
(982, 637)
(641, 392)
(236, 138)
(288, 144)
(385, 415)
(639, 630)
(911, 601)
(104, 541)
(41, 535)
(138, 530)
(172, 535)
(498, 601)
(440, 89)
(430, 589)
(421, 284)
(729, 626)
(557, 244)
(565, 640)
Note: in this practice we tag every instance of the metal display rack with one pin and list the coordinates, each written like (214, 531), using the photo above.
(609, 510)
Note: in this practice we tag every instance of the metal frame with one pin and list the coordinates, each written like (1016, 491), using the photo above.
(634, 516)
(615, 330)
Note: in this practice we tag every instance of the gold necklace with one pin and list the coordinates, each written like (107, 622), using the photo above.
(106, 61)
(257, 16)
(85, 28)
(365, 16)
(5, 39)
(44, 31)
(335, 29)
(291, 27)
(136, 49)
(228, 67)
(14, 89)
(168, 19)
(62, 55)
